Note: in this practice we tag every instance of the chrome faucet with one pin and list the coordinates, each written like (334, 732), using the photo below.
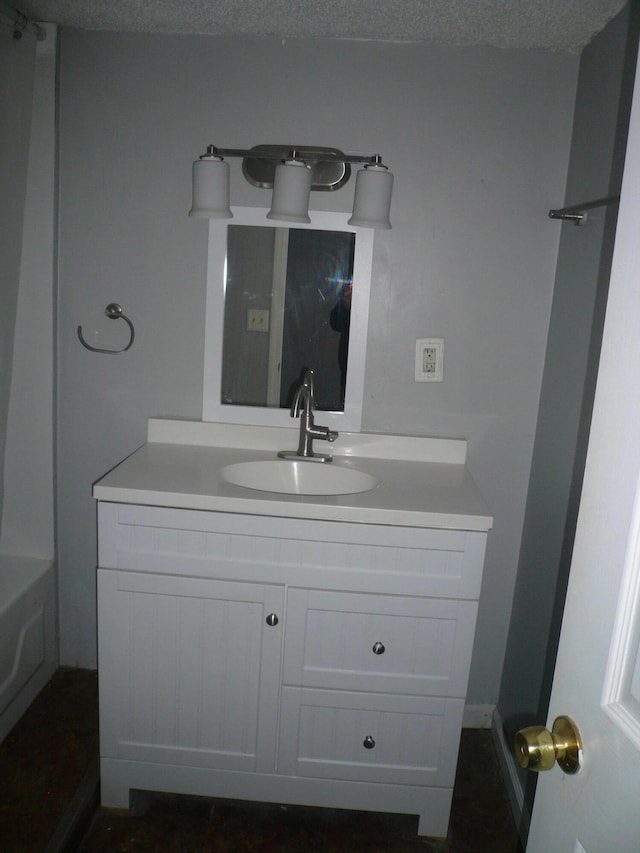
(302, 406)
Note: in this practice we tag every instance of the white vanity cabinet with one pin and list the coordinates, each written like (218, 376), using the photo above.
(292, 660)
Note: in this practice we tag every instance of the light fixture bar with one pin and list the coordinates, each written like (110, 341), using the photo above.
(309, 155)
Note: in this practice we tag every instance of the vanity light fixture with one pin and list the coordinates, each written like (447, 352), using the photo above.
(292, 172)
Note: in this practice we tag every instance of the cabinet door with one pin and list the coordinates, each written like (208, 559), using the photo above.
(189, 670)
(378, 643)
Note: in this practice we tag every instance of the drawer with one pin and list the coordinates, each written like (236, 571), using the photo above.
(406, 740)
(378, 643)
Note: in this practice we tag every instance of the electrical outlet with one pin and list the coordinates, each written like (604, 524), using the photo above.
(429, 359)
(257, 321)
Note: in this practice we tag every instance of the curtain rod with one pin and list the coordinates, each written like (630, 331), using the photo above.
(19, 22)
(576, 213)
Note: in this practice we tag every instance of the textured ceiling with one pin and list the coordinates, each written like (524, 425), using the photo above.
(548, 24)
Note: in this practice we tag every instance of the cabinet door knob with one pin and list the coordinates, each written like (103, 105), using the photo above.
(272, 619)
(378, 648)
(368, 742)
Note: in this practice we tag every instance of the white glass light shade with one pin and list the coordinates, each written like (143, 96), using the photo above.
(372, 197)
(291, 189)
(211, 189)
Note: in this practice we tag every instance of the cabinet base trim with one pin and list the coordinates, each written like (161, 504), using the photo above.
(431, 805)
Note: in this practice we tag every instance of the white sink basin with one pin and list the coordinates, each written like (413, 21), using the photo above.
(293, 477)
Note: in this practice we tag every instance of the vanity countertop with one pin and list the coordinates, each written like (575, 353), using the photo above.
(421, 482)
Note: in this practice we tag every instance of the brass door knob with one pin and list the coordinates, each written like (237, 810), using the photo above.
(538, 748)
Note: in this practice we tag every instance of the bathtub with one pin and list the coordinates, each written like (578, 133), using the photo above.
(28, 656)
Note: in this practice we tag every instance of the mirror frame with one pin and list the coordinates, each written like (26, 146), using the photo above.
(350, 419)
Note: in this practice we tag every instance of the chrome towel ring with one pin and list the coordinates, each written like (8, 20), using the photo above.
(113, 311)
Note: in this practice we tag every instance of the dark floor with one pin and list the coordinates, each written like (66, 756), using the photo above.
(48, 800)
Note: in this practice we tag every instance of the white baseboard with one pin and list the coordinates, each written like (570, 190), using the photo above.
(510, 777)
(478, 716)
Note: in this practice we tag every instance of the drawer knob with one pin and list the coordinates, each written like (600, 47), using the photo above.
(272, 620)
(378, 648)
(368, 742)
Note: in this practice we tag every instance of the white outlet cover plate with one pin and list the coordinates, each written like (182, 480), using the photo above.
(428, 369)
(257, 320)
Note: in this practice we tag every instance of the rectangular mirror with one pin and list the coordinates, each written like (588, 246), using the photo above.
(282, 300)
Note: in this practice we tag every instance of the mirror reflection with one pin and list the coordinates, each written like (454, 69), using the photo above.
(287, 309)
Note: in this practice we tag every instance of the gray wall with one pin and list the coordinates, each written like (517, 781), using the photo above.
(600, 129)
(478, 140)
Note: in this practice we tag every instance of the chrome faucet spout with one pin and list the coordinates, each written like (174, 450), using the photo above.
(302, 406)
(300, 400)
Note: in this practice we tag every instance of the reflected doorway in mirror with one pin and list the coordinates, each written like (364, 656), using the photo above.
(309, 285)
(303, 279)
